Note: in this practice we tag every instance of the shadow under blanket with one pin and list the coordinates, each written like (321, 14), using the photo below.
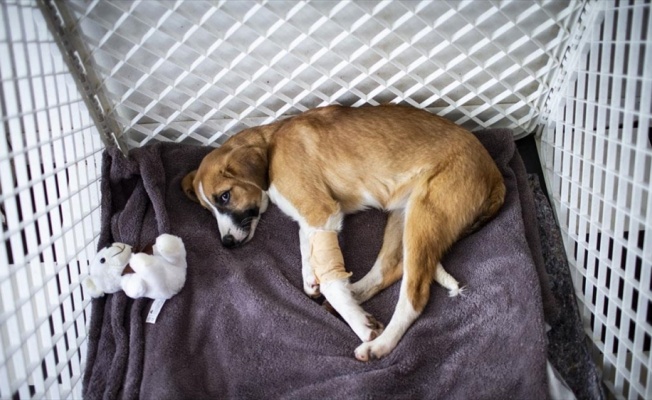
(243, 328)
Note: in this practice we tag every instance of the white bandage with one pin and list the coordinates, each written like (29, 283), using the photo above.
(326, 257)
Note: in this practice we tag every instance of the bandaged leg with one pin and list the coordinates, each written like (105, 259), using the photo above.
(328, 264)
(326, 257)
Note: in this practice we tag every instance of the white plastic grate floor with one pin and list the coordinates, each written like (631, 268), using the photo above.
(195, 71)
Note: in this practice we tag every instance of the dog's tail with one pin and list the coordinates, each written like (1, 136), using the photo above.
(440, 207)
(443, 207)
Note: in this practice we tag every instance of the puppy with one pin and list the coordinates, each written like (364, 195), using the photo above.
(435, 179)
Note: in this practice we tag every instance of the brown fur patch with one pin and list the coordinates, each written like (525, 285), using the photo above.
(392, 251)
(188, 187)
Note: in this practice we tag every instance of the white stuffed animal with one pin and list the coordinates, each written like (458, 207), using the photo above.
(157, 276)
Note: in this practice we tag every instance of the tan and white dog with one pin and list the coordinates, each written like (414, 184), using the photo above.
(435, 178)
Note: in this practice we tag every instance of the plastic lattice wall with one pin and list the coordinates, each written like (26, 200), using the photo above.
(195, 71)
(50, 158)
(134, 72)
(597, 151)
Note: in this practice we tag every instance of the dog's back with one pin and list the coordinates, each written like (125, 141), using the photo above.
(371, 156)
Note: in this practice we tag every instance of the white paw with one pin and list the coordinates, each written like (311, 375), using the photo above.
(372, 350)
(367, 327)
(311, 287)
(168, 245)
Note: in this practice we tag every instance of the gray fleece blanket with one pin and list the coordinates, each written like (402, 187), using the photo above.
(243, 328)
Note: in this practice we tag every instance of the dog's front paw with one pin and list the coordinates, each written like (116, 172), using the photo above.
(372, 350)
(367, 327)
(311, 287)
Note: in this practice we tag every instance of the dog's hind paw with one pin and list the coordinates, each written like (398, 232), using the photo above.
(375, 349)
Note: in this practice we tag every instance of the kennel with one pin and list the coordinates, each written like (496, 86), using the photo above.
(82, 75)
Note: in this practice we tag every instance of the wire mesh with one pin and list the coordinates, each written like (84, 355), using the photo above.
(597, 152)
(195, 71)
(50, 154)
(198, 72)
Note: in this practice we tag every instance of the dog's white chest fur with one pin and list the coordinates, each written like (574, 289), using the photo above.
(334, 223)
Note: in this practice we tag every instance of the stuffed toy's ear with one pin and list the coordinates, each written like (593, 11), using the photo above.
(188, 186)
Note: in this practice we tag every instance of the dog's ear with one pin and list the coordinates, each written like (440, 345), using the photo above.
(188, 187)
(249, 164)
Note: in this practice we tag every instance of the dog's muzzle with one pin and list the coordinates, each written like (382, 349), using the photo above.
(235, 227)
(239, 227)
(229, 242)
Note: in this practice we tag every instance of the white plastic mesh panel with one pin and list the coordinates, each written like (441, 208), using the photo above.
(50, 154)
(192, 71)
(196, 72)
(597, 151)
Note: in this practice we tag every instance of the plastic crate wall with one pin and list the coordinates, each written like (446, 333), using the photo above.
(596, 148)
(50, 157)
(198, 72)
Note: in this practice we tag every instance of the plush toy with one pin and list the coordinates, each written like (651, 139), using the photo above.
(157, 276)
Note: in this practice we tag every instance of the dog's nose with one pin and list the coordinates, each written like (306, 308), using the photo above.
(229, 241)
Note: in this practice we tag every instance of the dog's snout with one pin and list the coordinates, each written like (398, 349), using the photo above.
(229, 241)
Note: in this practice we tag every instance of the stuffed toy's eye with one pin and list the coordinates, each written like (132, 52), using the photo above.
(102, 260)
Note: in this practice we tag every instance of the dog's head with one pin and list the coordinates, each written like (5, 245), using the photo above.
(232, 184)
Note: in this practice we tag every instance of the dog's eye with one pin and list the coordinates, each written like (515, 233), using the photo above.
(224, 198)
(102, 260)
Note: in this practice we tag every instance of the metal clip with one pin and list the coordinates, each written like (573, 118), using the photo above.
(58, 18)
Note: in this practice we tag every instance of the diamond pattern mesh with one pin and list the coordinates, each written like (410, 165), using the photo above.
(197, 72)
